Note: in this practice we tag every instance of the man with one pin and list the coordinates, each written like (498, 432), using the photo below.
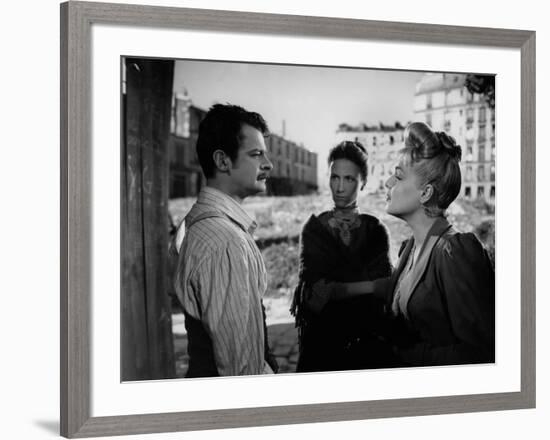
(221, 276)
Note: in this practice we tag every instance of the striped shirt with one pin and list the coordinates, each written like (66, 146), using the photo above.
(220, 281)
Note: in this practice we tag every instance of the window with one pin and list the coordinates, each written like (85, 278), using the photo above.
(481, 153)
(481, 136)
(492, 195)
(481, 173)
(469, 118)
(469, 151)
(480, 192)
(195, 159)
(492, 173)
(482, 115)
(467, 192)
(469, 173)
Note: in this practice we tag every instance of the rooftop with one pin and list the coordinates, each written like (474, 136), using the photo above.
(344, 127)
(432, 82)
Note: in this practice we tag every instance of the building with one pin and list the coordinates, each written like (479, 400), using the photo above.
(186, 178)
(443, 102)
(294, 167)
(382, 143)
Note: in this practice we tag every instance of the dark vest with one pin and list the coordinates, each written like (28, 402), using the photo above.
(201, 353)
(199, 348)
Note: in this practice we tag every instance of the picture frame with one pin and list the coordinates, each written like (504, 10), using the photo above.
(77, 20)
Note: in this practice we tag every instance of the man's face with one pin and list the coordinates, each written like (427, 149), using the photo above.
(251, 168)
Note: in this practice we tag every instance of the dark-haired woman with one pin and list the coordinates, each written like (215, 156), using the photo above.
(442, 294)
(342, 245)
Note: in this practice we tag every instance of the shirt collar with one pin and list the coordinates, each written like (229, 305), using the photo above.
(220, 201)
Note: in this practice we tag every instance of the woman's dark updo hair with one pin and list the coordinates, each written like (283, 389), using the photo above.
(352, 151)
(435, 158)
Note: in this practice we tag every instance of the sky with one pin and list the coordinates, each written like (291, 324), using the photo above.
(312, 101)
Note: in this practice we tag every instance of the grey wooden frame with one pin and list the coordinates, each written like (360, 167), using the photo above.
(77, 19)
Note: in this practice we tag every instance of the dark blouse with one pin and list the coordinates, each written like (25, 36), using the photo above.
(344, 335)
(450, 312)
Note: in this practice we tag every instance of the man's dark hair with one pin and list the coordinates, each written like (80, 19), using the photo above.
(221, 129)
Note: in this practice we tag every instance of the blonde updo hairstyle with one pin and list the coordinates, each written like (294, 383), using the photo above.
(434, 157)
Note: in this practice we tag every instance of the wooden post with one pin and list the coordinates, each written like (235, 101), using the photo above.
(146, 324)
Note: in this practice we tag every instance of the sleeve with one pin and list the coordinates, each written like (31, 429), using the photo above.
(302, 292)
(380, 264)
(313, 268)
(383, 284)
(308, 271)
(270, 358)
(466, 280)
(381, 287)
(231, 312)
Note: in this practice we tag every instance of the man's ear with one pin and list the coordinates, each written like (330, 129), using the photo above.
(427, 193)
(223, 163)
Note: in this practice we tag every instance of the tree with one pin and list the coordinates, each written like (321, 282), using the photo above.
(483, 85)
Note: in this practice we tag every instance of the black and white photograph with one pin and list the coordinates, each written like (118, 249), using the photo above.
(289, 219)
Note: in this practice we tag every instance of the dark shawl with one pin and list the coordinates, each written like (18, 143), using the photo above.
(326, 338)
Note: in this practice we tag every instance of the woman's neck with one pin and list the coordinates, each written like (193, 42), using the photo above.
(346, 209)
(420, 224)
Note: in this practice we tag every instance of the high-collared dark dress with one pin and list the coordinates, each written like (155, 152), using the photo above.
(449, 317)
(344, 335)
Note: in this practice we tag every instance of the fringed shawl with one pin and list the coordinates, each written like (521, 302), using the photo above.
(322, 256)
